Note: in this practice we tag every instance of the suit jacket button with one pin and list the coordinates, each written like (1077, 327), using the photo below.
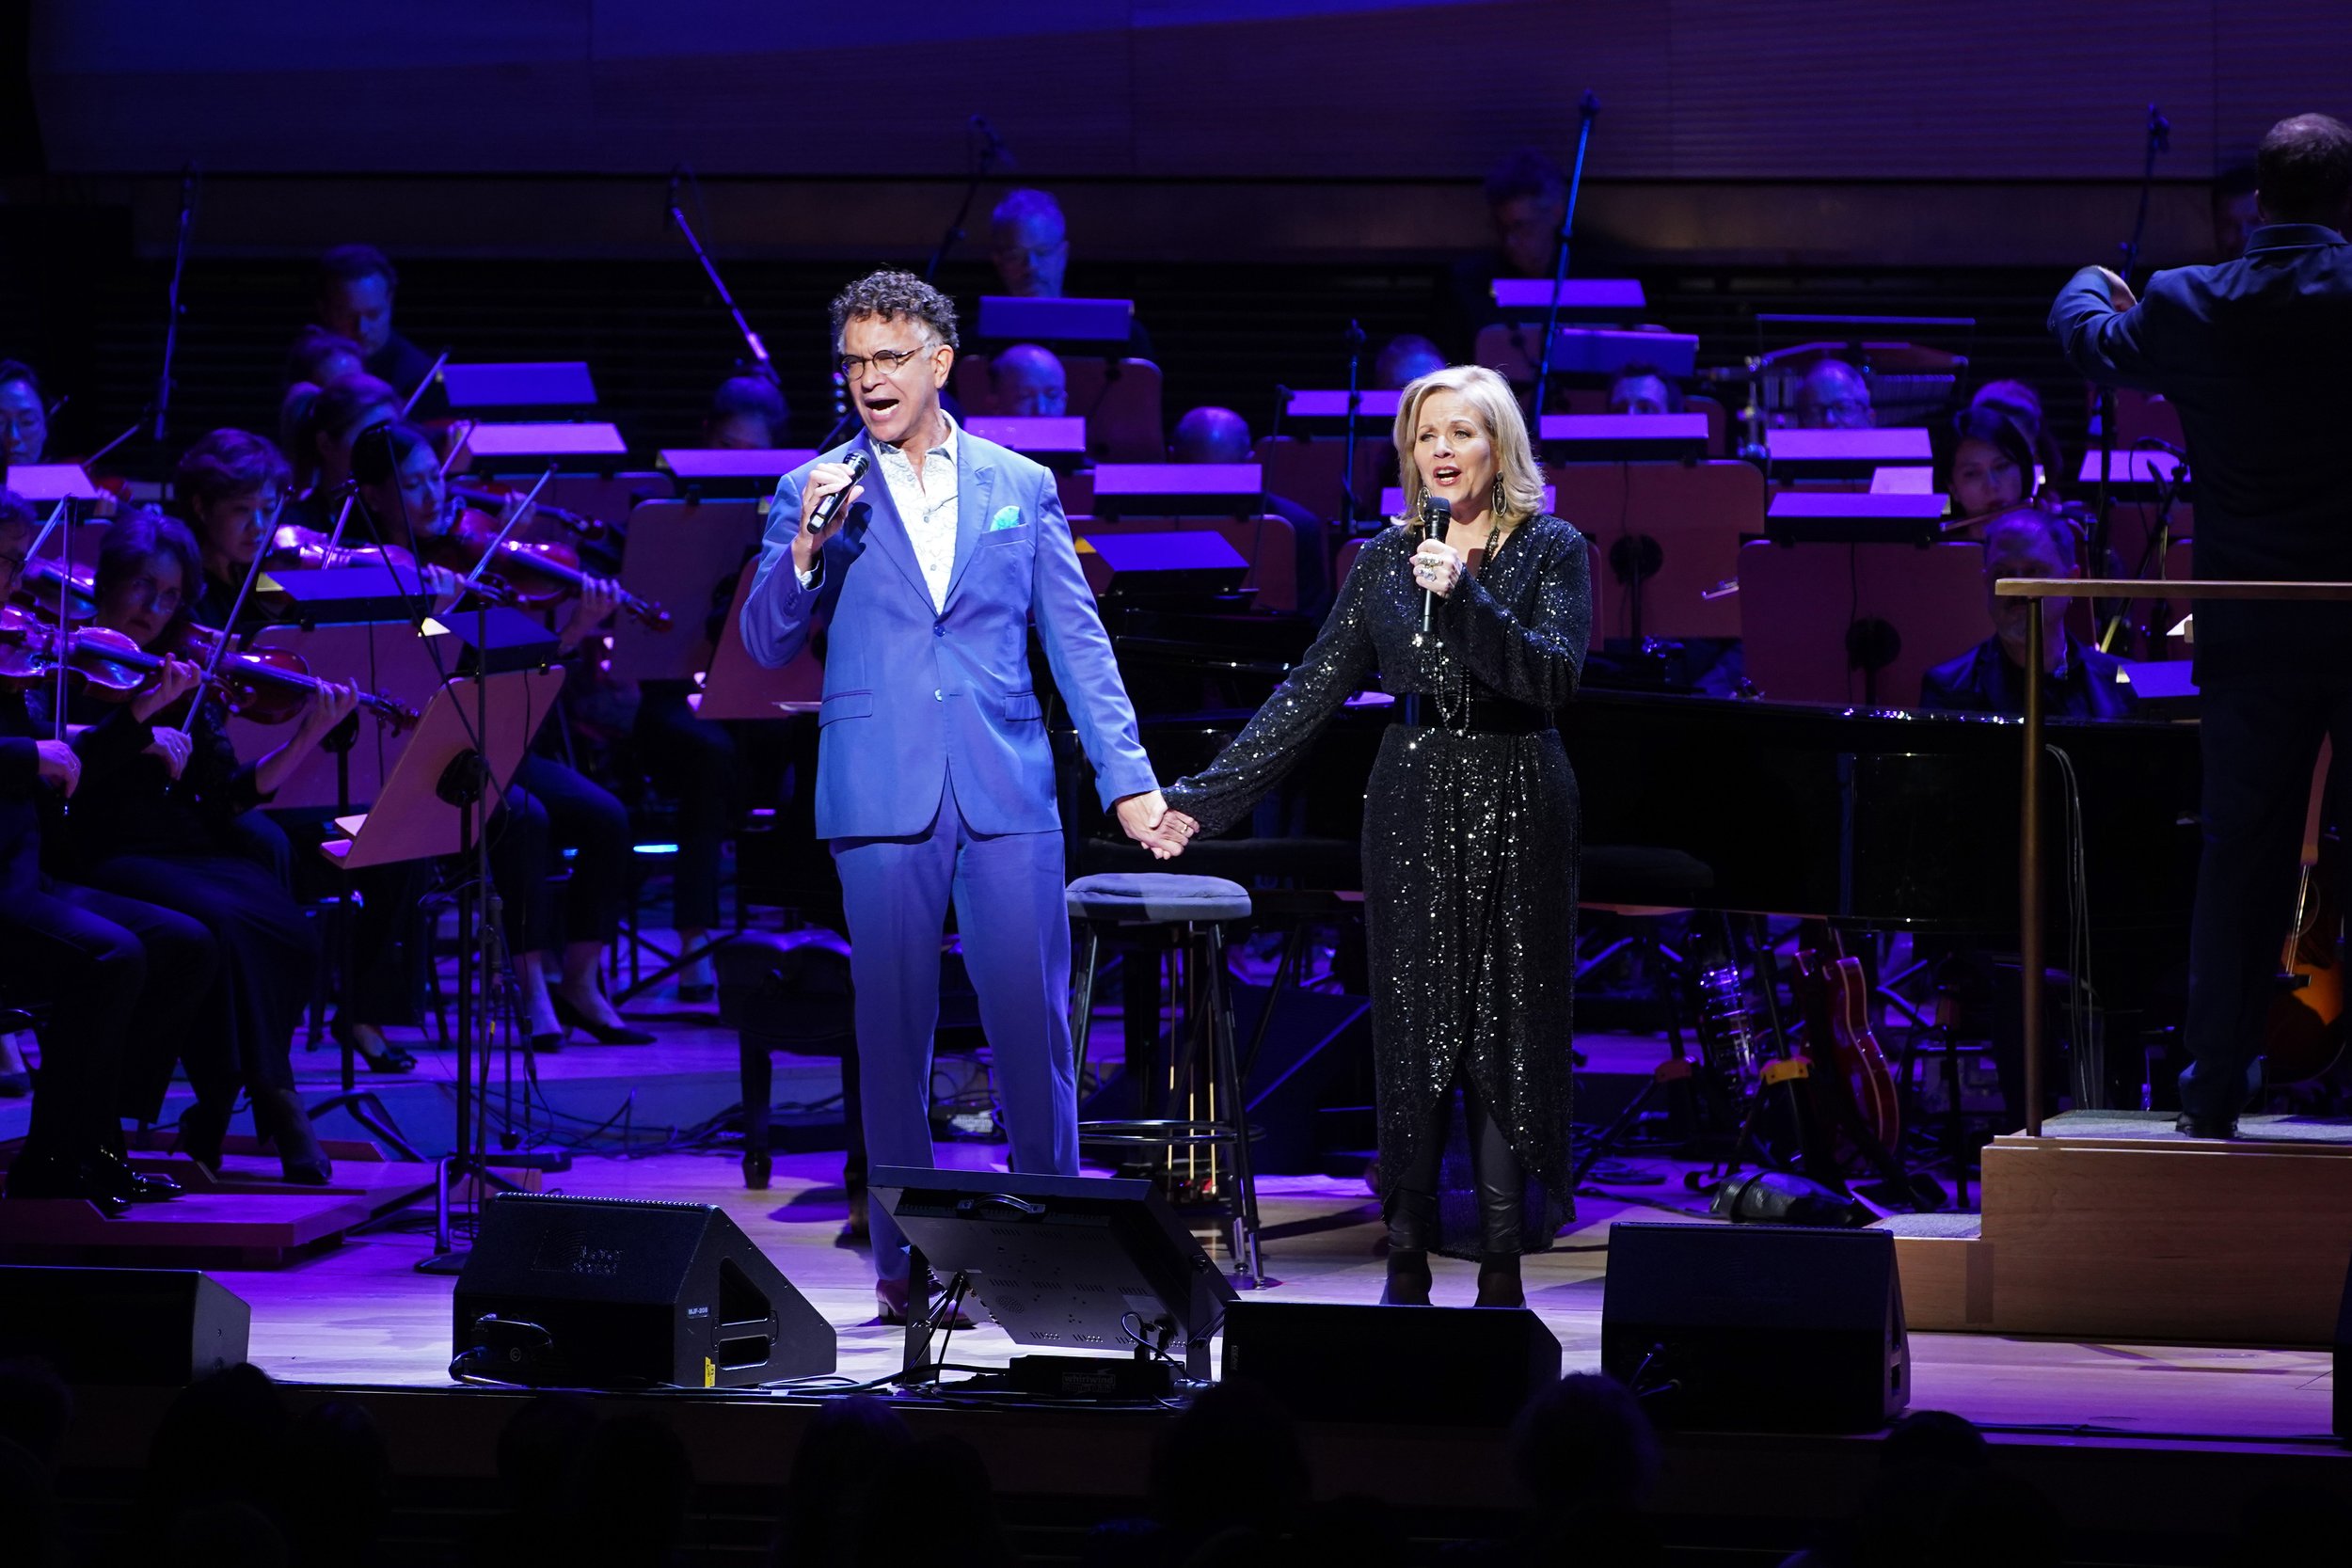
(939, 695)
(939, 630)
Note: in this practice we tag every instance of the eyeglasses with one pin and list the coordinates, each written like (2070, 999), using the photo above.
(888, 361)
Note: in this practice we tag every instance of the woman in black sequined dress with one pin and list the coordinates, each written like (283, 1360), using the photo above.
(1469, 822)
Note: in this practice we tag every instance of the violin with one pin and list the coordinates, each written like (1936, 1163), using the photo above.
(296, 549)
(538, 573)
(269, 686)
(493, 495)
(40, 580)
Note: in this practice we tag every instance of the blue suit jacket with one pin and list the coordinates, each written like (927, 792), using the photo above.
(2252, 353)
(920, 700)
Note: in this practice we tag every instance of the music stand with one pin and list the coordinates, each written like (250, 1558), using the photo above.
(677, 553)
(437, 802)
(1816, 617)
(1669, 537)
(740, 687)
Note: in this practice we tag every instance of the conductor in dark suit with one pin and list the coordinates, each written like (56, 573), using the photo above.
(2253, 354)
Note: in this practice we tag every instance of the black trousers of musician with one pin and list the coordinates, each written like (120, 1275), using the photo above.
(550, 808)
(1412, 1202)
(123, 978)
(693, 761)
(269, 958)
(2260, 740)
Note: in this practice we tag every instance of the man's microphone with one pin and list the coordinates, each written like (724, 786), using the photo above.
(832, 503)
(1436, 513)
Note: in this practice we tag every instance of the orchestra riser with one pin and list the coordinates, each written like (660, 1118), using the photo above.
(2113, 1227)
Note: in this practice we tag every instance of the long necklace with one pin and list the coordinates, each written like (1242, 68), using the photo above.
(1452, 677)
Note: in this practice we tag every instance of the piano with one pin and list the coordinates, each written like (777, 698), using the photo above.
(1867, 818)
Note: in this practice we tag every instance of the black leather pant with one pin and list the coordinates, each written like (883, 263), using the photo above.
(1412, 1203)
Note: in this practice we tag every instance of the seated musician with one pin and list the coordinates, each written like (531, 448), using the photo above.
(2078, 681)
(747, 414)
(1527, 200)
(318, 426)
(1833, 395)
(24, 414)
(162, 827)
(116, 972)
(1405, 359)
(1643, 388)
(549, 806)
(320, 355)
(1028, 241)
(1029, 382)
(1211, 435)
(1991, 468)
(2024, 404)
(355, 288)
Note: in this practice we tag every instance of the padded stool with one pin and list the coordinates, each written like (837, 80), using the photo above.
(1195, 910)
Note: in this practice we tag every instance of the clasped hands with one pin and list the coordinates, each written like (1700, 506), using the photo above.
(1149, 821)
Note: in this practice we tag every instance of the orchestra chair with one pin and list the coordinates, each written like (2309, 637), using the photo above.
(792, 993)
(1674, 528)
(1119, 398)
(1202, 1133)
(1838, 623)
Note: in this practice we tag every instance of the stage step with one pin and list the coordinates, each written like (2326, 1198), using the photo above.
(2114, 1225)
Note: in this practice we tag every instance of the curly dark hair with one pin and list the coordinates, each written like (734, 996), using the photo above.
(895, 296)
(138, 533)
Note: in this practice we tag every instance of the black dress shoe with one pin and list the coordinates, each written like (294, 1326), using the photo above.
(2206, 1127)
(129, 1184)
(367, 1043)
(52, 1176)
(891, 1298)
(1408, 1279)
(603, 1033)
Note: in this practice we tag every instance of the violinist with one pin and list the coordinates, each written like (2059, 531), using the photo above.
(549, 805)
(319, 425)
(232, 483)
(320, 355)
(1992, 469)
(116, 972)
(24, 414)
(233, 486)
(163, 826)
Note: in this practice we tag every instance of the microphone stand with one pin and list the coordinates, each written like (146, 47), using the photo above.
(1348, 442)
(983, 165)
(2159, 140)
(677, 218)
(188, 178)
(1586, 112)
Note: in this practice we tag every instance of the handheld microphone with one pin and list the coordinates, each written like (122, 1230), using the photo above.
(1436, 514)
(831, 504)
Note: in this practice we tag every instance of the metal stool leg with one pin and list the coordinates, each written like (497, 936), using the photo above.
(1082, 996)
(1225, 1072)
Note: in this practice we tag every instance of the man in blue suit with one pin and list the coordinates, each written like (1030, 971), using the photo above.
(935, 778)
(2253, 354)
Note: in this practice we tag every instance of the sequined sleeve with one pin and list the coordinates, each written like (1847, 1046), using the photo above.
(1537, 660)
(1270, 745)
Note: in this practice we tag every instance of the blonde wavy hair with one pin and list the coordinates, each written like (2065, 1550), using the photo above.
(1491, 397)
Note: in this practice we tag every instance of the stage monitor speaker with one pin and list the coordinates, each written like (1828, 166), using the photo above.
(1064, 1262)
(131, 1326)
(1757, 1328)
(612, 1293)
(1424, 1365)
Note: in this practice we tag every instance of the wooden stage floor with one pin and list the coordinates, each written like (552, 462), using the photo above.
(362, 1314)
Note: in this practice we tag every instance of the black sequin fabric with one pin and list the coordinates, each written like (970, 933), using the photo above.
(1470, 839)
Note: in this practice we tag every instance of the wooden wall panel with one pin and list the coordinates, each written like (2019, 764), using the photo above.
(1298, 89)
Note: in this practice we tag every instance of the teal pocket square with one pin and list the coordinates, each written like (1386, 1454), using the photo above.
(1007, 516)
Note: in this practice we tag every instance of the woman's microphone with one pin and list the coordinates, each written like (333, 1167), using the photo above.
(1436, 513)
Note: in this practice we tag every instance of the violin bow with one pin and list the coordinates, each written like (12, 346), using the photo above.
(473, 578)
